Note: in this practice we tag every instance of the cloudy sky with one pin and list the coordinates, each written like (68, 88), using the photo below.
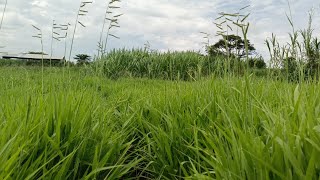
(165, 24)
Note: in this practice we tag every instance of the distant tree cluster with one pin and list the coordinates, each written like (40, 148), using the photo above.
(234, 46)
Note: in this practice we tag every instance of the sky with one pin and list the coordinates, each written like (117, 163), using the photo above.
(165, 24)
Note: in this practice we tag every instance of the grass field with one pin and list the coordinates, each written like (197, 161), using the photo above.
(82, 126)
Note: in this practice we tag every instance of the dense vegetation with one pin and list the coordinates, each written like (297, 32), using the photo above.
(81, 125)
(171, 65)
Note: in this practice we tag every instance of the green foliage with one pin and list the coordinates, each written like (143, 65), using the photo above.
(231, 45)
(257, 63)
(37, 63)
(170, 65)
(213, 52)
(300, 57)
(87, 127)
(311, 46)
(7, 62)
(291, 69)
(141, 63)
(313, 56)
(82, 59)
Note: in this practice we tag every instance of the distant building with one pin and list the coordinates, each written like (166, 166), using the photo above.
(33, 57)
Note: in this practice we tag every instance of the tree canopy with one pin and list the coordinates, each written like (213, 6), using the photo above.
(82, 59)
(231, 45)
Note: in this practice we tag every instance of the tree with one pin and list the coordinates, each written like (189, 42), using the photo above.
(82, 59)
(231, 45)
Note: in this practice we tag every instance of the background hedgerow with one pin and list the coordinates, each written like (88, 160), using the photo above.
(140, 63)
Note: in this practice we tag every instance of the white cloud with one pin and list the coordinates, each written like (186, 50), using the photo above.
(40, 4)
(173, 25)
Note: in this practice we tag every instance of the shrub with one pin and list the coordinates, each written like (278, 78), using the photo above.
(257, 63)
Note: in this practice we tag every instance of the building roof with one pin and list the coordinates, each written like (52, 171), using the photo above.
(31, 57)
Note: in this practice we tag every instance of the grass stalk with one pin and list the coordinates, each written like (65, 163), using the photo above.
(3, 13)
(80, 12)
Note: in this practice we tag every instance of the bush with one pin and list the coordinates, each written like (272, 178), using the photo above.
(10, 62)
(257, 63)
(7, 62)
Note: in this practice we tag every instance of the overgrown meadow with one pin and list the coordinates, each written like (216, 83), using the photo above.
(84, 126)
(142, 114)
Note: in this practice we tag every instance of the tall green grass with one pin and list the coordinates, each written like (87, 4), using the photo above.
(140, 63)
(299, 58)
(85, 126)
